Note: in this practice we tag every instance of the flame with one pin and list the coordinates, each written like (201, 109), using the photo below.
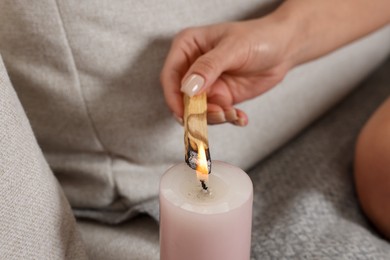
(202, 171)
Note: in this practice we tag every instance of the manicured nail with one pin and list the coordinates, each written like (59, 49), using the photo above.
(240, 122)
(178, 119)
(192, 85)
(216, 118)
(231, 115)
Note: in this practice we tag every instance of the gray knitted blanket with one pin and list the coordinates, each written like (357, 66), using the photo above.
(305, 205)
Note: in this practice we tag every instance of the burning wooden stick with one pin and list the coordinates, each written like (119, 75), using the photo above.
(195, 135)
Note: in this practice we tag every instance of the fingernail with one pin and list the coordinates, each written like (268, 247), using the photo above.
(216, 118)
(178, 119)
(231, 115)
(192, 84)
(240, 122)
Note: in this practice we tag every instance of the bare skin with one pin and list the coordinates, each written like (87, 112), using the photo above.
(241, 60)
(372, 168)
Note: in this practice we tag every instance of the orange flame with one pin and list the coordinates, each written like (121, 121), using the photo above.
(202, 171)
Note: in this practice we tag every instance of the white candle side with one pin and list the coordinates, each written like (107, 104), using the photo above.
(198, 225)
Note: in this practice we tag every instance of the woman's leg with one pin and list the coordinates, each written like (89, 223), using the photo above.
(372, 168)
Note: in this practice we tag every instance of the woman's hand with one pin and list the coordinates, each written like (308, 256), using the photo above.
(232, 62)
(237, 61)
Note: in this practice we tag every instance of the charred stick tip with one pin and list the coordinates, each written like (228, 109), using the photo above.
(191, 159)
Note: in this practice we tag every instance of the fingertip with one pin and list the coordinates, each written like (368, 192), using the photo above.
(217, 115)
(179, 119)
(240, 122)
(242, 118)
(205, 70)
(231, 115)
(214, 118)
(192, 84)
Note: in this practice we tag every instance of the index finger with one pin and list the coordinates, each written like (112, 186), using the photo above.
(181, 55)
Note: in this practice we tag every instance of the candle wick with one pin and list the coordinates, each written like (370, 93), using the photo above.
(204, 186)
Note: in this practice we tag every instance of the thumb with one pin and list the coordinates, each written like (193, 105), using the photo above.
(206, 70)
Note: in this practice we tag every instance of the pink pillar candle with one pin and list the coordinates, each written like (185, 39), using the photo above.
(200, 225)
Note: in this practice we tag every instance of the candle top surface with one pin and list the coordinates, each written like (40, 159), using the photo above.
(228, 188)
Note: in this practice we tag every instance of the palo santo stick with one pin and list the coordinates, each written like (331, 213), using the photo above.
(195, 132)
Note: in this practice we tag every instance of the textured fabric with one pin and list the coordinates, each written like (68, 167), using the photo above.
(305, 206)
(36, 221)
(87, 75)
(133, 240)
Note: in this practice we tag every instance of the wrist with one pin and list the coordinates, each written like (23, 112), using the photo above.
(291, 30)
